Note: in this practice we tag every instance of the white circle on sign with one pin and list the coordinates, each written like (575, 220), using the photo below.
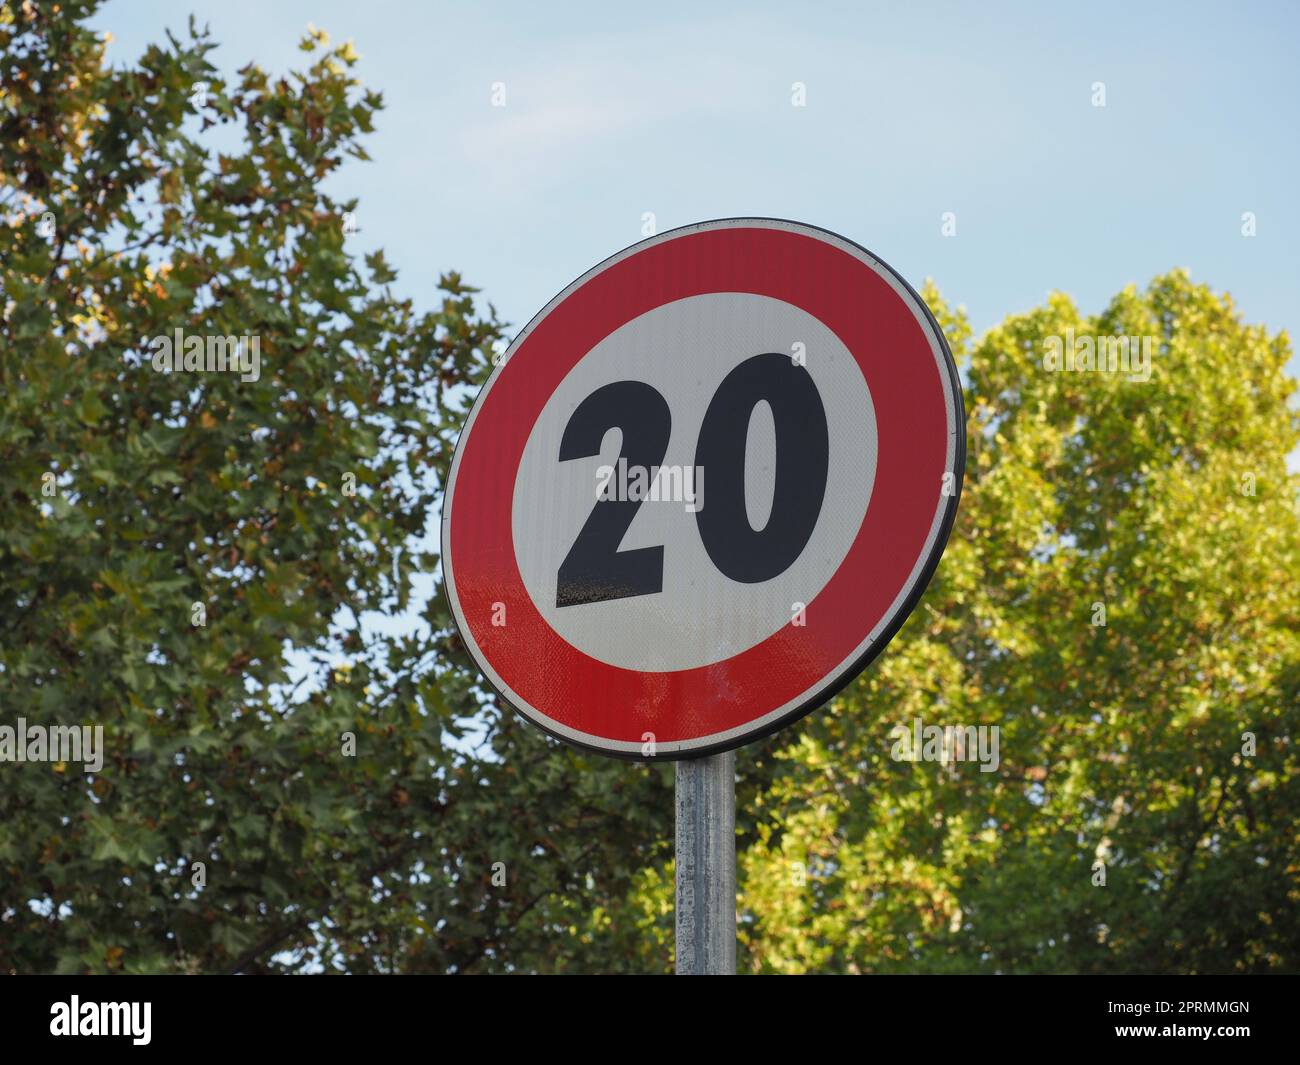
(701, 616)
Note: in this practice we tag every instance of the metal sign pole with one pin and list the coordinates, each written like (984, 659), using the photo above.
(706, 865)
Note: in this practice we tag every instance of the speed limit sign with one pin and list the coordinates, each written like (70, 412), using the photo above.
(703, 488)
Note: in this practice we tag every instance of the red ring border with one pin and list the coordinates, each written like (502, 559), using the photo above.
(563, 686)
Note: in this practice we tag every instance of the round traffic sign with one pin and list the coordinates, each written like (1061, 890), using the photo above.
(703, 488)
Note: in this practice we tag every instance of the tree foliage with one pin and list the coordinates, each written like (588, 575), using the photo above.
(300, 507)
(1168, 503)
(290, 507)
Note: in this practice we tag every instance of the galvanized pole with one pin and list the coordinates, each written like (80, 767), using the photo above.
(706, 866)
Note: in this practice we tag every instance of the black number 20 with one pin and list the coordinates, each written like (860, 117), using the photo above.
(595, 570)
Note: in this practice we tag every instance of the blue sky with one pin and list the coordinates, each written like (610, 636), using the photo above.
(684, 110)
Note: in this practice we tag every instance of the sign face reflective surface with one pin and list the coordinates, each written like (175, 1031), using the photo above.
(703, 488)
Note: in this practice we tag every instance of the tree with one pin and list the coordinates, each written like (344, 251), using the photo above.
(1120, 599)
(177, 547)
